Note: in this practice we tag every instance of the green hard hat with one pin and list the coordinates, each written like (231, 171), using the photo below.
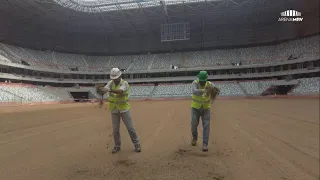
(203, 76)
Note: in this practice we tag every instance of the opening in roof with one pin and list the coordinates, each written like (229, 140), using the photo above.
(95, 6)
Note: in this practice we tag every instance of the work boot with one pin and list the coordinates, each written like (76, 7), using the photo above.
(137, 148)
(194, 142)
(115, 150)
(205, 148)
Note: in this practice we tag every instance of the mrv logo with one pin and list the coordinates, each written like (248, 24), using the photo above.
(290, 15)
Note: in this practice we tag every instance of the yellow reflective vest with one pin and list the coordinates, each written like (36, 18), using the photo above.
(201, 101)
(116, 101)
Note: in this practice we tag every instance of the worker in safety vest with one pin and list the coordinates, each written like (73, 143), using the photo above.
(120, 108)
(200, 107)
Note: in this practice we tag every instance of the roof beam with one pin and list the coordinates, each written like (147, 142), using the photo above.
(116, 2)
(165, 11)
(126, 16)
(114, 27)
(146, 17)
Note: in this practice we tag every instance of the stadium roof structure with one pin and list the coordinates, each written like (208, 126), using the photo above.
(96, 6)
(115, 26)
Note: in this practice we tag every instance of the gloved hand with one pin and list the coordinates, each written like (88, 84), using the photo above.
(104, 90)
(214, 92)
(100, 89)
(211, 91)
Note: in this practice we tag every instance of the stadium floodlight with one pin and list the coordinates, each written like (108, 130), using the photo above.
(175, 32)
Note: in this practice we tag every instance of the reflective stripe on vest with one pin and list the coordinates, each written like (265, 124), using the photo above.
(118, 102)
(198, 101)
(117, 95)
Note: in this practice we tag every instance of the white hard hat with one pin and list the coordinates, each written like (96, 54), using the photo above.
(115, 73)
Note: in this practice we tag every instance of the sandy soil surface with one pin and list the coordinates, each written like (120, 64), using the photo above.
(276, 139)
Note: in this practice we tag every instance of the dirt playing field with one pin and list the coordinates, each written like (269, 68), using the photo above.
(272, 139)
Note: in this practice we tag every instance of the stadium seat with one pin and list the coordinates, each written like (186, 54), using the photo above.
(308, 85)
(26, 94)
(256, 87)
(121, 62)
(98, 63)
(229, 89)
(176, 90)
(164, 61)
(6, 97)
(141, 62)
(301, 48)
(141, 91)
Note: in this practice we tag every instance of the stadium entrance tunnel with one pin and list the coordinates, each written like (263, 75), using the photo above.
(80, 96)
(278, 90)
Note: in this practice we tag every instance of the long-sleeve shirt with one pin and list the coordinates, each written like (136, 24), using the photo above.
(123, 85)
(196, 90)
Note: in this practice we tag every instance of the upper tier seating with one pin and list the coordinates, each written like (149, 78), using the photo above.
(122, 62)
(67, 61)
(302, 48)
(141, 62)
(164, 61)
(98, 63)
